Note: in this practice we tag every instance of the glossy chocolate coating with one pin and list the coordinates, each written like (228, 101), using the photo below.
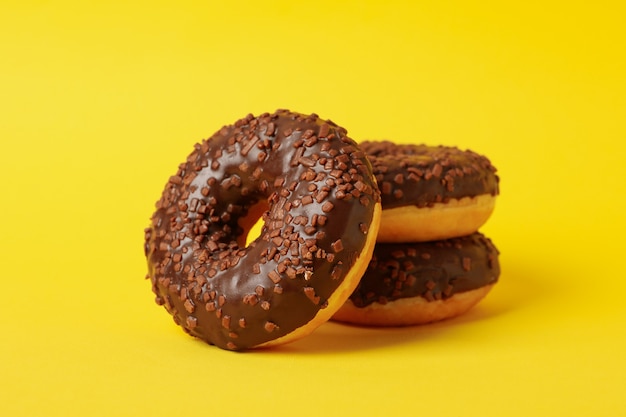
(421, 175)
(433, 270)
(321, 196)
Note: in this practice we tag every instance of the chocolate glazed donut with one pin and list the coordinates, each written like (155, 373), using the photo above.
(321, 212)
(431, 192)
(422, 282)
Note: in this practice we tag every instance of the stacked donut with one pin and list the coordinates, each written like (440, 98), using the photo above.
(320, 253)
(430, 262)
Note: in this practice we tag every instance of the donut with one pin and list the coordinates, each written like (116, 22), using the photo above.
(315, 191)
(422, 282)
(431, 192)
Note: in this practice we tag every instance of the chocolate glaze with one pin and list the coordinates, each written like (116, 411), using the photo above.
(433, 270)
(423, 175)
(321, 196)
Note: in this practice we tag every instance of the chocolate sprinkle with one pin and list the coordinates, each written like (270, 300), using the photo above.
(320, 193)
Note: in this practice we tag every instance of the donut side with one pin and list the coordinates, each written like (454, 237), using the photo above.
(411, 311)
(457, 217)
(416, 283)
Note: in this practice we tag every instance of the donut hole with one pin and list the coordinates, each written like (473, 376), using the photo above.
(252, 223)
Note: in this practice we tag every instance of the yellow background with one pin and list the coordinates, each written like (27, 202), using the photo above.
(100, 101)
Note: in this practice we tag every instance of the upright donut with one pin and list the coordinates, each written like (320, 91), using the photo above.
(422, 282)
(321, 211)
(431, 192)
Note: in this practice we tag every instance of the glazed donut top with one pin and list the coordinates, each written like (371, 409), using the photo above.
(423, 175)
(321, 195)
(433, 270)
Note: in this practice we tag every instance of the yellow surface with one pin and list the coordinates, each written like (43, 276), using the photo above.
(100, 101)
